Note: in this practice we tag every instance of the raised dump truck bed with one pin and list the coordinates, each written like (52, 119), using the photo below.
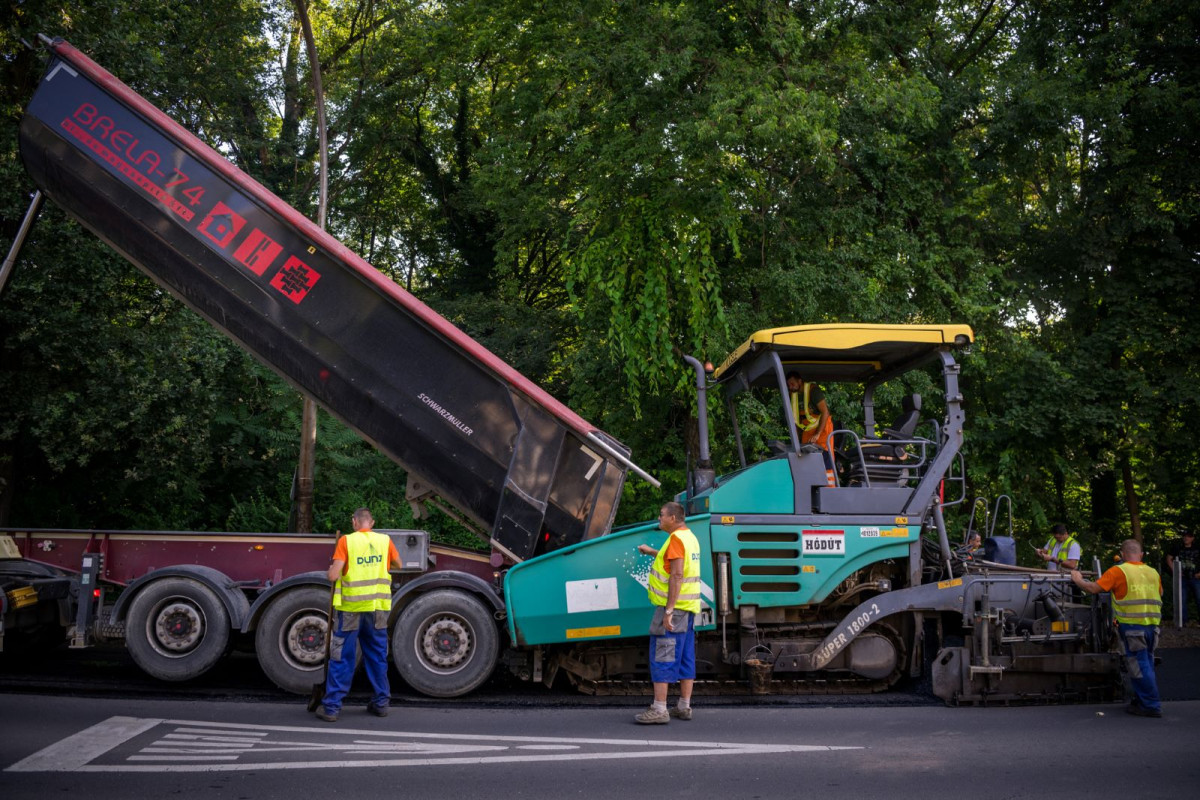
(515, 461)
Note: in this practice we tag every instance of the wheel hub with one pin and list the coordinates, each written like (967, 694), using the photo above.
(447, 642)
(305, 640)
(178, 627)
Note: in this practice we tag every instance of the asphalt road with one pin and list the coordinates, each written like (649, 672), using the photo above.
(109, 672)
(88, 722)
(124, 747)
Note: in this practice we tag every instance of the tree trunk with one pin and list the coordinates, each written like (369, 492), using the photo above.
(1060, 493)
(1131, 498)
(1104, 505)
(306, 469)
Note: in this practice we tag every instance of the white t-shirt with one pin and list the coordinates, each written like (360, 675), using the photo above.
(1073, 553)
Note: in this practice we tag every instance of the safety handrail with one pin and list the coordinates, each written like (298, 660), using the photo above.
(971, 518)
(996, 515)
(915, 462)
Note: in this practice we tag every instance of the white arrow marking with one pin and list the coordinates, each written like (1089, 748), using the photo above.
(172, 751)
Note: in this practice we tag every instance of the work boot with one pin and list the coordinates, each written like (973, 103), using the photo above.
(328, 716)
(652, 716)
(681, 713)
(378, 711)
(1139, 710)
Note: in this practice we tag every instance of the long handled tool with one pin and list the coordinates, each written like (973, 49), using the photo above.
(318, 690)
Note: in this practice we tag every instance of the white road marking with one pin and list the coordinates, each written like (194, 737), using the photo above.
(191, 746)
(210, 732)
(73, 752)
(547, 747)
(178, 758)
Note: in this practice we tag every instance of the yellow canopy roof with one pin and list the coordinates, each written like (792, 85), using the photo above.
(847, 351)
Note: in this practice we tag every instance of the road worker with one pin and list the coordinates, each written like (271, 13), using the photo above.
(812, 418)
(1061, 550)
(674, 590)
(1185, 558)
(362, 600)
(1137, 609)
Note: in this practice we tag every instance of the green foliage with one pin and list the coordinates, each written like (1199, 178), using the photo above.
(592, 188)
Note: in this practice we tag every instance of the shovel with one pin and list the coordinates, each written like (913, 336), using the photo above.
(318, 689)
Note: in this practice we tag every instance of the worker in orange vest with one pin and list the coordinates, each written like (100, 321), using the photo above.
(1137, 609)
(812, 418)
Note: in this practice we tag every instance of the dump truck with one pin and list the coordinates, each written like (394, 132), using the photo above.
(478, 439)
(816, 576)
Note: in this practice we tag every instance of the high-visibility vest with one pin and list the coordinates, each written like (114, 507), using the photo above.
(1142, 603)
(1056, 549)
(366, 585)
(806, 421)
(659, 579)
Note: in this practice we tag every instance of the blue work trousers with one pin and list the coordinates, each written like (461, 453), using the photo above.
(1139, 660)
(352, 630)
(672, 653)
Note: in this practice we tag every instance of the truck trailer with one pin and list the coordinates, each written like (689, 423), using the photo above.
(826, 567)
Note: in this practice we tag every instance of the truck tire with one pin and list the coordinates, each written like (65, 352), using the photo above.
(445, 643)
(176, 629)
(290, 639)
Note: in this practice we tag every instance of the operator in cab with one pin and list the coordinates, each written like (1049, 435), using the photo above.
(812, 417)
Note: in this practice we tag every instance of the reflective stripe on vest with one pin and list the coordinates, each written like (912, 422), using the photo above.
(1142, 603)
(1064, 549)
(366, 585)
(658, 582)
(805, 421)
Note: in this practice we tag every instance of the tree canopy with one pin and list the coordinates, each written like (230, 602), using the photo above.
(589, 188)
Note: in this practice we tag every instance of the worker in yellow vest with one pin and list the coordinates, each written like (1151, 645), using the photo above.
(812, 418)
(1061, 552)
(1137, 609)
(673, 586)
(362, 600)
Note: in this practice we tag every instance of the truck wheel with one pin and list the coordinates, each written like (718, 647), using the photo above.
(290, 639)
(176, 629)
(445, 643)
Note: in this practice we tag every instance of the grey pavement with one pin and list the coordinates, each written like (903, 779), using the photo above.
(120, 748)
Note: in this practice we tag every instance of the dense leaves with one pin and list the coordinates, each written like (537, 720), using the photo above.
(590, 188)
